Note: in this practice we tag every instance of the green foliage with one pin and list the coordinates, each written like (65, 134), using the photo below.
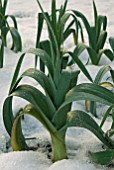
(52, 107)
(105, 157)
(63, 24)
(5, 28)
(97, 36)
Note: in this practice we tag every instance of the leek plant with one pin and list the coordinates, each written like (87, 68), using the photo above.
(5, 28)
(64, 24)
(52, 106)
(97, 36)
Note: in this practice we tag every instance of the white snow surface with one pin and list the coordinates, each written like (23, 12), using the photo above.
(72, 164)
(78, 140)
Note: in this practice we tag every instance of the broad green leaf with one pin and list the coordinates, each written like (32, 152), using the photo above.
(43, 105)
(64, 85)
(91, 35)
(108, 53)
(93, 55)
(101, 25)
(79, 49)
(101, 40)
(97, 80)
(42, 79)
(51, 29)
(85, 91)
(44, 45)
(16, 39)
(75, 56)
(81, 119)
(35, 97)
(101, 73)
(31, 110)
(89, 91)
(67, 33)
(43, 55)
(102, 157)
(8, 117)
(59, 118)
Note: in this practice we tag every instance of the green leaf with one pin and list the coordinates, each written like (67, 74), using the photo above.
(16, 39)
(101, 73)
(35, 97)
(4, 7)
(8, 117)
(101, 25)
(65, 6)
(81, 119)
(43, 105)
(64, 85)
(44, 45)
(108, 53)
(93, 55)
(102, 157)
(75, 56)
(84, 91)
(44, 57)
(17, 138)
(54, 19)
(1, 55)
(32, 111)
(97, 80)
(106, 115)
(51, 29)
(42, 79)
(89, 91)
(95, 13)
(39, 31)
(81, 32)
(13, 19)
(4, 31)
(101, 40)
(91, 35)
(62, 23)
(67, 33)
(16, 73)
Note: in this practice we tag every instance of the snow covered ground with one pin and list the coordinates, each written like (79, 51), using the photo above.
(78, 141)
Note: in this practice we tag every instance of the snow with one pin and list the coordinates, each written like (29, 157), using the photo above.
(78, 140)
(24, 160)
(72, 165)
